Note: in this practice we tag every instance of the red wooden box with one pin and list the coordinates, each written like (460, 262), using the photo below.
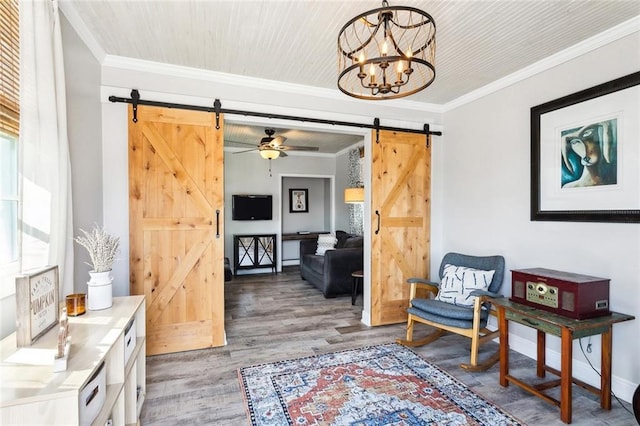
(563, 293)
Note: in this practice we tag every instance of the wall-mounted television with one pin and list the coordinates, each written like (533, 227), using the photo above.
(251, 207)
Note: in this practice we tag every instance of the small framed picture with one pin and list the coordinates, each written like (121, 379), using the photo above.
(298, 201)
(37, 305)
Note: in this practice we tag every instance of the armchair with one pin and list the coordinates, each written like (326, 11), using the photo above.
(460, 303)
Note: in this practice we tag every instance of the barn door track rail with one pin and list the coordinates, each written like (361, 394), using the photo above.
(135, 100)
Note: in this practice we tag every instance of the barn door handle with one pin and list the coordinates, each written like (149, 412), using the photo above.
(378, 214)
(217, 223)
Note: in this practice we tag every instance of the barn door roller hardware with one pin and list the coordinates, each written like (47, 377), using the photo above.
(135, 100)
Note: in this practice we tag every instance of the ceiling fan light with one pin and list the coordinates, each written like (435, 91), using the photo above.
(269, 154)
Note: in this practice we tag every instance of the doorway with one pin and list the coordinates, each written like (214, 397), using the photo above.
(317, 216)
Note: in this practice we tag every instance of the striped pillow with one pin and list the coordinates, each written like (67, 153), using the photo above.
(459, 281)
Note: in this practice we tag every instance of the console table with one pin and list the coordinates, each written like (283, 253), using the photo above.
(297, 236)
(567, 329)
(254, 251)
(294, 236)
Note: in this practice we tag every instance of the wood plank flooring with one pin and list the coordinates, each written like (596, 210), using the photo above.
(271, 318)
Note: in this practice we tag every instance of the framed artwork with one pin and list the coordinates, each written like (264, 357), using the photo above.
(584, 155)
(298, 201)
(37, 306)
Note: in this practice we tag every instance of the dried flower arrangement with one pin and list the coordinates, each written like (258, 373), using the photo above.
(101, 246)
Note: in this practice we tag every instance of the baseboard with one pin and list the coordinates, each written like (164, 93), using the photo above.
(366, 318)
(291, 262)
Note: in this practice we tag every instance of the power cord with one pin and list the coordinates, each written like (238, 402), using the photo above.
(598, 373)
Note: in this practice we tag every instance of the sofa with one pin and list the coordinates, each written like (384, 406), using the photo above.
(331, 273)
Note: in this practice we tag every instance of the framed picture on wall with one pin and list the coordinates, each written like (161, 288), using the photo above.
(584, 155)
(298, 200)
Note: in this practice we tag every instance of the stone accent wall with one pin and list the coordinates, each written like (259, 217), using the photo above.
(356, 211)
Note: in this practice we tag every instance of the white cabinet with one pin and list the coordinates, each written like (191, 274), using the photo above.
(110, 342)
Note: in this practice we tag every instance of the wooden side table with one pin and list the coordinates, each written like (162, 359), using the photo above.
(356, 278)
(567, 329)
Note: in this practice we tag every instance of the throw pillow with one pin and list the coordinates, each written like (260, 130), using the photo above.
(325, 242)
(459, 281)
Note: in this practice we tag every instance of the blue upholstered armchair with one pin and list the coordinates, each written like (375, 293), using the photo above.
(460, 303)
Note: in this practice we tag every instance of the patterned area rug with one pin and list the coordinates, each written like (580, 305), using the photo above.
(375, 385)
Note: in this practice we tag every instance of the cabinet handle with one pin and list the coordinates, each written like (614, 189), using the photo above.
(218, 223)
(378, 214)
(527, 320)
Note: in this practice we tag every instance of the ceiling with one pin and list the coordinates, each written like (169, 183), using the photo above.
(295, 41)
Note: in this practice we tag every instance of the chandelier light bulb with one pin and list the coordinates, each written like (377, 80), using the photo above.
(399, 70)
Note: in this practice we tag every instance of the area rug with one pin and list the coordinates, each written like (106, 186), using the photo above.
(375, 385)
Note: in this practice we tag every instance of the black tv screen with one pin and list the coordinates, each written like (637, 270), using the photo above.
(251, 207)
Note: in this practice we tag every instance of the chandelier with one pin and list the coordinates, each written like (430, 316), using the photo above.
(387, 53)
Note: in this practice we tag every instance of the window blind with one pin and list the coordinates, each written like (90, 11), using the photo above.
(9, 67)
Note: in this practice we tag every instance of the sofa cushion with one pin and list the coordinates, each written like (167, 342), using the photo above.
(314, 262)
(353, 242)
(342, 238)
(325, 242)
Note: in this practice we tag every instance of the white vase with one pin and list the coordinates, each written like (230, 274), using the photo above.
(99, 290)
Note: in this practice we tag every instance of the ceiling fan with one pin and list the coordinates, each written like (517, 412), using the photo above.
(271, 147)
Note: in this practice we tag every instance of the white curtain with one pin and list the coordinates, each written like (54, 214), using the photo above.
(46, 215)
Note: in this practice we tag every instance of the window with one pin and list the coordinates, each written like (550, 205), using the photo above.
(9, 131)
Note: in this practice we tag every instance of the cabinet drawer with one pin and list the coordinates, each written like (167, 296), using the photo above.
(92, 396)
(129, 339)
(533, 322)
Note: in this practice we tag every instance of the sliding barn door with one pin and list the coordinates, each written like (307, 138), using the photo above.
(400, 221)
(176, 226)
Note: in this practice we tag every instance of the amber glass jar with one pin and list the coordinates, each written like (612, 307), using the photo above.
(76, 304)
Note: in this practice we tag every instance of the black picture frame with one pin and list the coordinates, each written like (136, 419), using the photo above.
(298, 200)
(541, 127)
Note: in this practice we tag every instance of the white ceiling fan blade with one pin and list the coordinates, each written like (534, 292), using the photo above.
(246, 150)
(243, 143)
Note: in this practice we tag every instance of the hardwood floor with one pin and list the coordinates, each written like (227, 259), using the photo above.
(271, 318)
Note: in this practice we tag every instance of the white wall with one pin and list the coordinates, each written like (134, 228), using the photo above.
(239, 181)
(486, 199)
(82, 75)
(342, 182)
(317, 219)
(319, 204)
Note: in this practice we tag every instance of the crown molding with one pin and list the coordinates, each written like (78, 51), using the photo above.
(70, 12)
(180, 71)
(615, 33)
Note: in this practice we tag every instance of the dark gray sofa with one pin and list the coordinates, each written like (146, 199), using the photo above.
(331, 273)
